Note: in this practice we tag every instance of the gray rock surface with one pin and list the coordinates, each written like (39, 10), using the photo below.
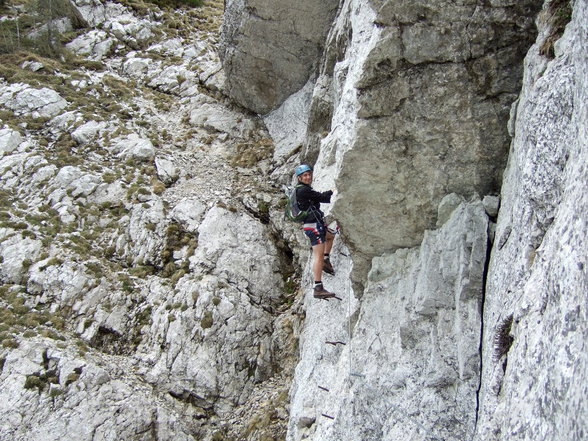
(535, 368)
(133, 146)
(141, 287)
(269, 48)
(94, 45)
(410, 119)
(150, 287)
(86, 392)
(9, 140)
(287, 124)
(24, 100)
(409, 363)
(218, 118)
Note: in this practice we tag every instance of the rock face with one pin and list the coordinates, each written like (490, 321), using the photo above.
(269, 48)
(150, 288)
(85, 392)
(532, 368)
(411, 365)
(414, 99)
(409, 122)
(429, 87)
(534, 350)
(142, 290)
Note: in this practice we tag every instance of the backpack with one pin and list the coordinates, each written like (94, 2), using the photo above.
(292, 211)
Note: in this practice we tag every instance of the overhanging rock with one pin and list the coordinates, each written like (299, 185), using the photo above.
(420, 98)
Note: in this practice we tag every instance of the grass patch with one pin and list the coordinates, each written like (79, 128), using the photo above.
(207, 320)
(503, 339)
(250, 153)
(558, 14)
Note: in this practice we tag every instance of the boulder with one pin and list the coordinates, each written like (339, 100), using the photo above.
(95, 44)
(18, 253)
(111, 195)
(133, 146)
(39, 103)
(75, 181)
(189, 213)
(87, 131)
(85, 392)
(136, 67)
(166, 170)
(236, 245)
(96, 12)
(9, 140)
(287, 124)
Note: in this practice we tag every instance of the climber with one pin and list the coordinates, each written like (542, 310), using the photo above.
(321, 238)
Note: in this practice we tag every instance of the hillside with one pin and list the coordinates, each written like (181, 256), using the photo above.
(151, 289)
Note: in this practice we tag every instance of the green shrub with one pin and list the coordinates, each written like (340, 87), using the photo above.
(72, 378)
(177, 275)
(55, 392)
(558, 14)
(35, 381)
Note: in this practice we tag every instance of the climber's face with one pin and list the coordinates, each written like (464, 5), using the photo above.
(306, 177)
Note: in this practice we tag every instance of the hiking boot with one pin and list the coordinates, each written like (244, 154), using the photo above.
(328, 268)
(321, 293)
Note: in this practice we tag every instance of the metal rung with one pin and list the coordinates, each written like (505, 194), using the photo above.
(335, 343)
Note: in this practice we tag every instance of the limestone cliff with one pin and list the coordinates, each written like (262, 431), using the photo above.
(150, 288)
(270, 48)
(452, 326)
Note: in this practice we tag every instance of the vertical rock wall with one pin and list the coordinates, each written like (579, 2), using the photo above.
(535, 367)
(414, 97)
(407, 365)
(412, 103)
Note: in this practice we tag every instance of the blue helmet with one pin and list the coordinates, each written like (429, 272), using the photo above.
(301, 169)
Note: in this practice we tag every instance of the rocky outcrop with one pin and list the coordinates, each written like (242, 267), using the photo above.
(270, 48)
(408, 362)
(142, 287)
(526, 317)
(535, 329)
(415, 100)
(38, 103)
(410, 104)
(57, 393)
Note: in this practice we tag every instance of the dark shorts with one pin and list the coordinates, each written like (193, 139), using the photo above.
(316, 232)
